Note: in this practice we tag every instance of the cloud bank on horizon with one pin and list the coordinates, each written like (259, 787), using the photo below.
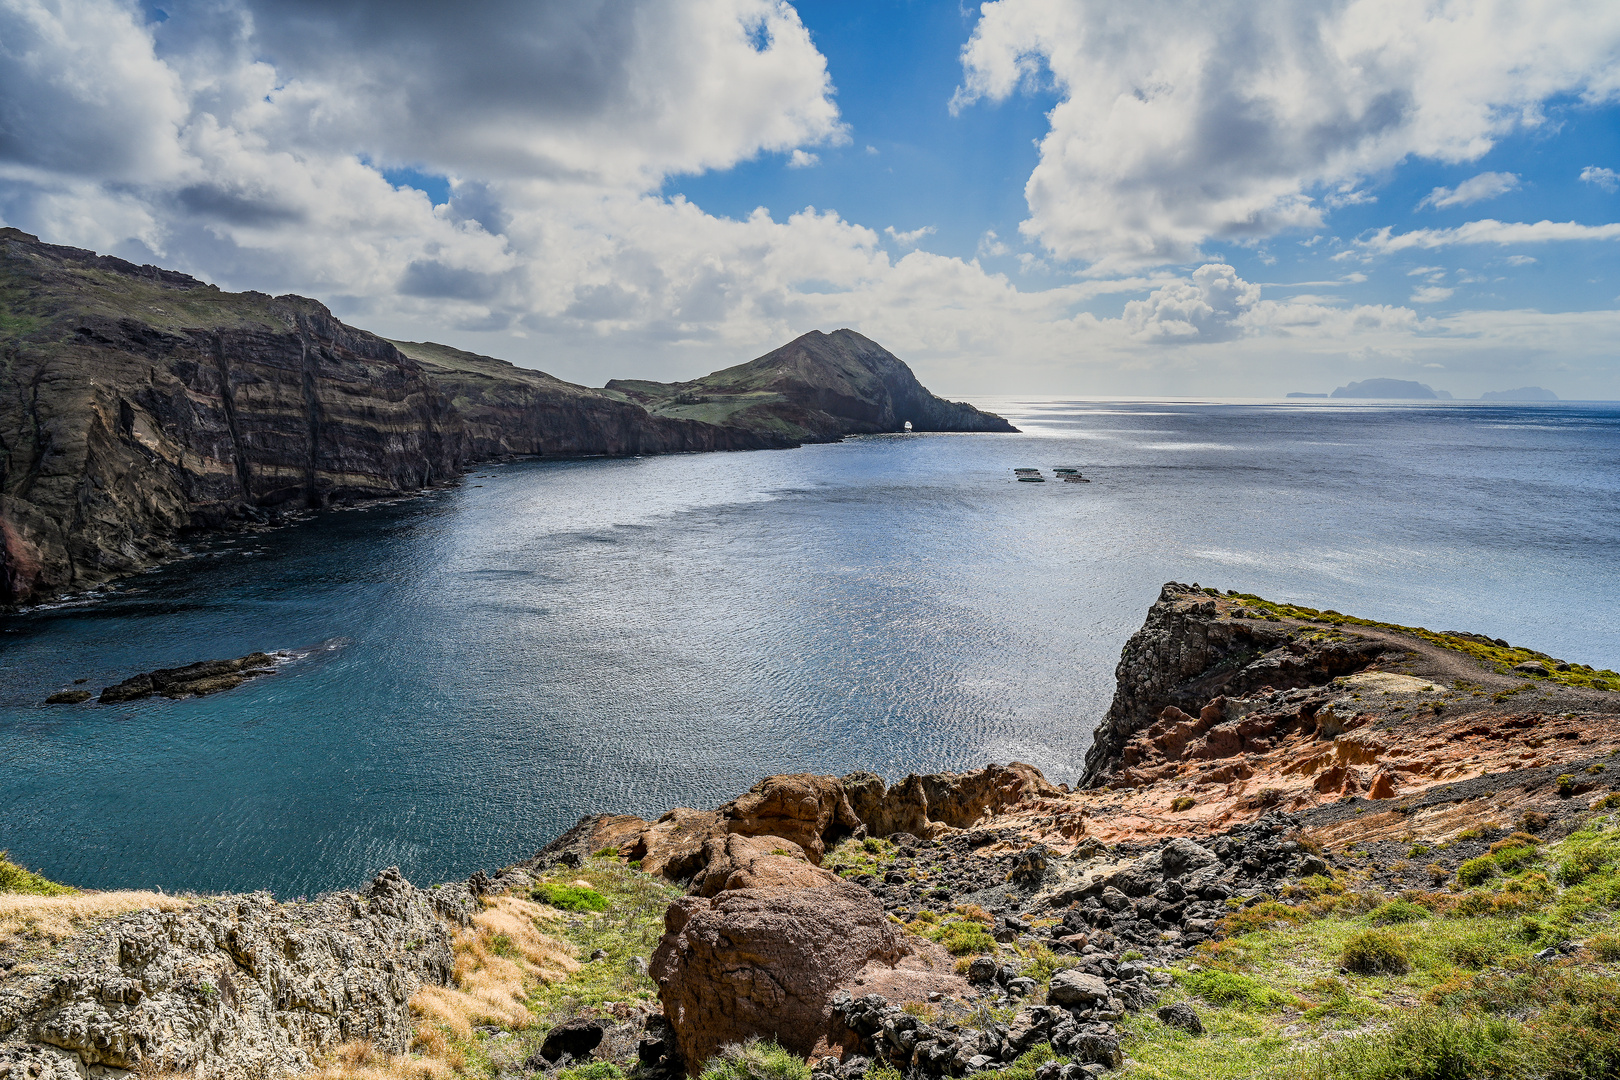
(1237, 198)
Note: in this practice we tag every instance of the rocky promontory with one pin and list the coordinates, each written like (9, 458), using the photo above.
(138, 405)
(1307, 844)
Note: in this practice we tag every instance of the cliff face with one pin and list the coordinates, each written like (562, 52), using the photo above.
(137, 404)
(1188, 651)
(816, 388)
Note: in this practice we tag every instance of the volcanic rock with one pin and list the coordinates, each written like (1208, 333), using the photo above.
(766, 962)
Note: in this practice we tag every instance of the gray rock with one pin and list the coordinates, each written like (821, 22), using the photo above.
(1181, 1015)
(1076, 988)
(982, 970)
(234, 987)
(1181, 856)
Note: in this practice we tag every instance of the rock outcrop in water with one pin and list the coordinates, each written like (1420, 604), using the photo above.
(199, 679)
(140, 404)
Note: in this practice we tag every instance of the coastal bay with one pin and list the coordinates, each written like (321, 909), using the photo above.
(479, 666)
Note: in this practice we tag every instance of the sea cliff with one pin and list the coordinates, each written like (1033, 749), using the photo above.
(1308, 844)
(138, 405)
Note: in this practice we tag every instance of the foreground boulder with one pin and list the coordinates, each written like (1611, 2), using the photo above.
(769, 962)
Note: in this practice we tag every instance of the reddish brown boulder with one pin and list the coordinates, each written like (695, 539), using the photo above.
(756, 862)
(767, 962)
(799, 807)
(920, 805)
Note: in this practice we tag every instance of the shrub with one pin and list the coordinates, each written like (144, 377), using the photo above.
(1534, 821)
(1566, 786)
(1518, 839)
(1397, 911)
(975, 913)
(1609, 801)
(1515, 858)
(1262, 916)
(1582, 863)
(605, 853)
(1476, 871)
(1483, 831)
(871, 845)
(963, 938)
(1183, 802)
(755, 1060)
(1437, 873)
(1376, 952)
(1476, 950)
(569, 897)
(1606, 947)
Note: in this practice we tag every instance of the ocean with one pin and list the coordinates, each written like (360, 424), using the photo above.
(476, 668)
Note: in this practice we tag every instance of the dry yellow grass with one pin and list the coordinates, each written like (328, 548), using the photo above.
(56, 918)
(497, 960)
(362, 1061)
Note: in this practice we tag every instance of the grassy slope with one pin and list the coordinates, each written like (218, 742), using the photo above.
(1500, 658)
(33, 295)
(1279, 998)
(18, 880)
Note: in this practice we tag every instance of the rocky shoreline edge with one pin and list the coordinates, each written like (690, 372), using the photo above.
(1301, 837)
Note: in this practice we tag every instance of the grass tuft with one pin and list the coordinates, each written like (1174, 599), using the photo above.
(755, 1060)
(1376, 952)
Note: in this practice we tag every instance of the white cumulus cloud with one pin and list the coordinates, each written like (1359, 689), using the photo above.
(1180, 121)
(910, 237)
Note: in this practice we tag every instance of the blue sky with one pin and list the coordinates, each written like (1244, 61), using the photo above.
(1018, 197)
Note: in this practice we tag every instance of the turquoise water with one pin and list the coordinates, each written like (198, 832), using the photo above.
(479, 667)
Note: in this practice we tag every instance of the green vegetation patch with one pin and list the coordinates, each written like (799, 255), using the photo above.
(852, 857)
(1435, 985)
(1228, 988)
(569, 897)
(16, 879)
(627, 928)
(961, 937)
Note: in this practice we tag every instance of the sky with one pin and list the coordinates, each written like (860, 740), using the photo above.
(1225, 198)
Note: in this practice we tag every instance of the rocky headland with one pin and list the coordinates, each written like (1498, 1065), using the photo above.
(138, 405)
(1305, 844)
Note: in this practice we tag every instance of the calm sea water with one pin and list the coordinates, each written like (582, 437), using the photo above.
(480, 667)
